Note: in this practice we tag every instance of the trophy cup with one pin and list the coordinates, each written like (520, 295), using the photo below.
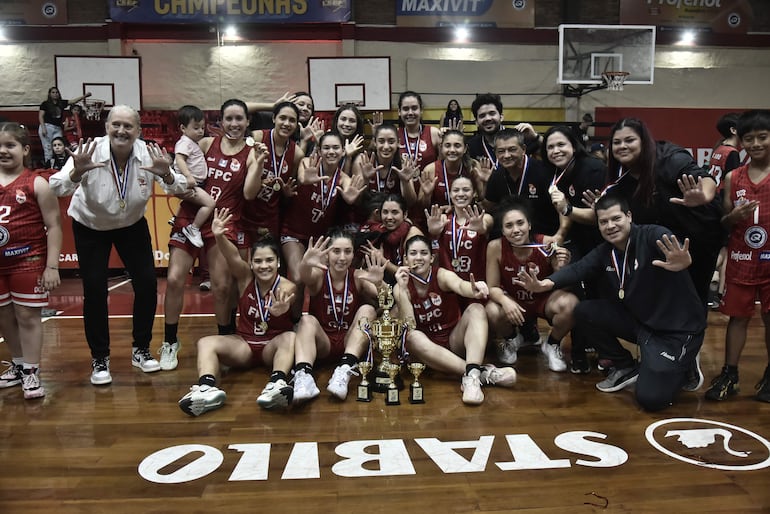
(391, 397)
(387, 332)
(415, 390)
(364, 388)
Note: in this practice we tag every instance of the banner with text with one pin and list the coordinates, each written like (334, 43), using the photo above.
(468, 13)
(230, 11)
(33, 12)
(726, 16)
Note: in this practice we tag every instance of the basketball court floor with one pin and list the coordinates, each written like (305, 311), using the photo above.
(553, 443)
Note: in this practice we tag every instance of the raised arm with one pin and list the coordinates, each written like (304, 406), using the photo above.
(239, 268)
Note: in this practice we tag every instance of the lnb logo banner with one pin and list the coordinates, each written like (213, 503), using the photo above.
(710, 444)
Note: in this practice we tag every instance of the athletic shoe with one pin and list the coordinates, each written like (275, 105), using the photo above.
(11, 376)
(492, 375)
(471, 388)
(580, 365)
(304, 387)
(338, 383)
(142, 358)
(723, 386)
(100, 371)
(193, 234)
(202, 398)
(554, 357)
(530, 333)
(763, 387)
(31, 385)
(205, 285)
(168, 352)
(275, 394)
(507, 349)
(604, 365)
(617, 379)
(694, 376)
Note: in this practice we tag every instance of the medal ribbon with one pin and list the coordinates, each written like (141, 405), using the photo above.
(615, 182)
(424, 281)
(380, 182)
(555, 181)
(326, 199)
(338, 317)
(263, 305)
(446, 180)
(621, 276)
(416, 157)
(490, 154)
(121, 181)
(276, 166)
(539, 247)
(457, 237)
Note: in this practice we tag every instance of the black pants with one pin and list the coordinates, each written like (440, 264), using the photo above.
(665, 356)
(134, 247)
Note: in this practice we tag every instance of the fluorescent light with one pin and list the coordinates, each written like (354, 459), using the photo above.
(688, 38)
(461, 34)
(231, 32)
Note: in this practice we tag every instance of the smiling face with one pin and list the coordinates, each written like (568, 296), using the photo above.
(331, 151)
(489, 119)
(461, 192)
(285, 122)
(122, 127)
(347, 123)
(559, 150)
(386, 144)
(340, 254)
(235, 121)
(509, 153)
(12, 153)
(453, 148)
(626, 146)
(757, 145)
(418, 258)
(392, 215)
(614, 225)
(264, 264)
(516, 227)
(305, 106)
(410, 111)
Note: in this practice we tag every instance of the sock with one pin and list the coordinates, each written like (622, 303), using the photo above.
(18, 362)
(471, 367)
(731, 370)
(225, 330)
(551, 340)
(349, 359)
(275, 376)
(29, 368)
(171, 332)
(209, 380)
(304, 366)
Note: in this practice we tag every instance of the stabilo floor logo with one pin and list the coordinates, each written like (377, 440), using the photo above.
(710, 444)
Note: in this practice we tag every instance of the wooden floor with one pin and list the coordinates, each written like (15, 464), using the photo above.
(551, 444)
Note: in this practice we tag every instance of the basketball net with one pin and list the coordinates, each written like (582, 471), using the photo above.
(93, 108)
(615, 79)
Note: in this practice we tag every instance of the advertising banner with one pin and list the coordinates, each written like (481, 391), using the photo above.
(724, 16)
(33, 12)
(468, 13)
(230, 11)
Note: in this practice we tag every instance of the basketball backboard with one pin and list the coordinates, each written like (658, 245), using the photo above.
(364, 81)
(587, 51)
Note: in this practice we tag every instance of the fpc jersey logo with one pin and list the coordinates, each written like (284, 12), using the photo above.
(710, 444)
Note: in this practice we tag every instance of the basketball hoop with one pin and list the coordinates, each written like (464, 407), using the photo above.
(615, 79)
(357, 103)
(93, 108)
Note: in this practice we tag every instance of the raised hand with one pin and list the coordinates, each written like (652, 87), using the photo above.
(160, 160)
(376, 120)
(83, 155)
(591, 197)
(526, 128)
(436, 219)
(260, 152)
(427, 182)
(313, 173)
(280, 302)
(743, 210)
(485, 169)
(408, 169)
(374, 268)
(289, 187)
(455, 124)
(402, 277)
(529, 281)
(219, 221)
(475, 217)
(677, 256)
(354, 146)
(369, 167)
(352, 188)
(479, 289)
(317, 252)
(692, 191)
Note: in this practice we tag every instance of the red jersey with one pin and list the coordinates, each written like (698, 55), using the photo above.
(23, 240)
(250, 319)
(436, 313)
(313, 209)
(470, 255)
(321, 305)
(226, 176)
(389, 183)
(444, 184)
(718, 163)
(748, 250)
(265, 210)
(420, 149)
(510, 267)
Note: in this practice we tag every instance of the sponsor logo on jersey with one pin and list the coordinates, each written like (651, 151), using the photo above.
(764, 256)
(755, 237)
(740, 256)
(436, 299)
(532, 190)
(13, 252)
(21, 196)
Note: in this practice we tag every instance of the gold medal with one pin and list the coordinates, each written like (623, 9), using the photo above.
(621, 294)
(263, 326)
(455, 263)
(276, 185)
(552, 189)
(122, 203)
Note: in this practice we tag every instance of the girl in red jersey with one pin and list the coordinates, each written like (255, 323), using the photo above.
(264, 334)
(460, 236)
(416, 141)
(444, 338)
(338, 296)
(31, 237)
(384, 171)
(510, 304)
(392, 232)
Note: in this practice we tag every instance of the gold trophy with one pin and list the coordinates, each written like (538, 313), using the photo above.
(391, 397)
(364, 388)
(415, 390)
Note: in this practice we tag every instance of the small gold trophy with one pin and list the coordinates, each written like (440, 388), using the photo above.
(415, 390)
(364, 388)
(392, 393)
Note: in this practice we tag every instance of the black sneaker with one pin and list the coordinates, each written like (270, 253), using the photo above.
(723, 386)
(763, 387)
(617, 379)
(694, 376)
(530, 333)
(580, 365)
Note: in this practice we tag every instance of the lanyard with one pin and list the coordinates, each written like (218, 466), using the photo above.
(121, 180)
(521, 180)
(621, 275)
(276, 166)
(457, 237)
(263, 306)
(338, 317)
(416, 157)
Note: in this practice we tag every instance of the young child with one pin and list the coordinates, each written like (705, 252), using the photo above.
(29, 263)
(746, 204)
(189, 161)
(72, 128)
(59, 149)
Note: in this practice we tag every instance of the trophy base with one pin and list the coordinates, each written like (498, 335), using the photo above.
(391, 397)
(382, 382)
(364, 393)
(415, 394)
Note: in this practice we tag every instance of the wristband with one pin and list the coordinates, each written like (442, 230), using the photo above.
(567, 210)
(52, 267)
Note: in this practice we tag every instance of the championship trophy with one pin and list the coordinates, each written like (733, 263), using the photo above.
(364, 388)
(415, 389)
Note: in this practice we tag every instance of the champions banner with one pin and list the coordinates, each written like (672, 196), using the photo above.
(724, 16)
(468, 13)
(230, 11)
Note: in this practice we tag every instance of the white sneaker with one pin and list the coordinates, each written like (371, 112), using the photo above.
(338, 383)
(31, 385)
(275, 394)
(554, 356)
(193, 234)
(168, 360)
(492, 375)
(304, 387)
(202, 398)
(11, 376)
(142, 358)
(100, 371)
(471, 388)
(507, 349)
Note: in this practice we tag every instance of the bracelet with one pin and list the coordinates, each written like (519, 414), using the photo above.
(567, 210)
(52, 267)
